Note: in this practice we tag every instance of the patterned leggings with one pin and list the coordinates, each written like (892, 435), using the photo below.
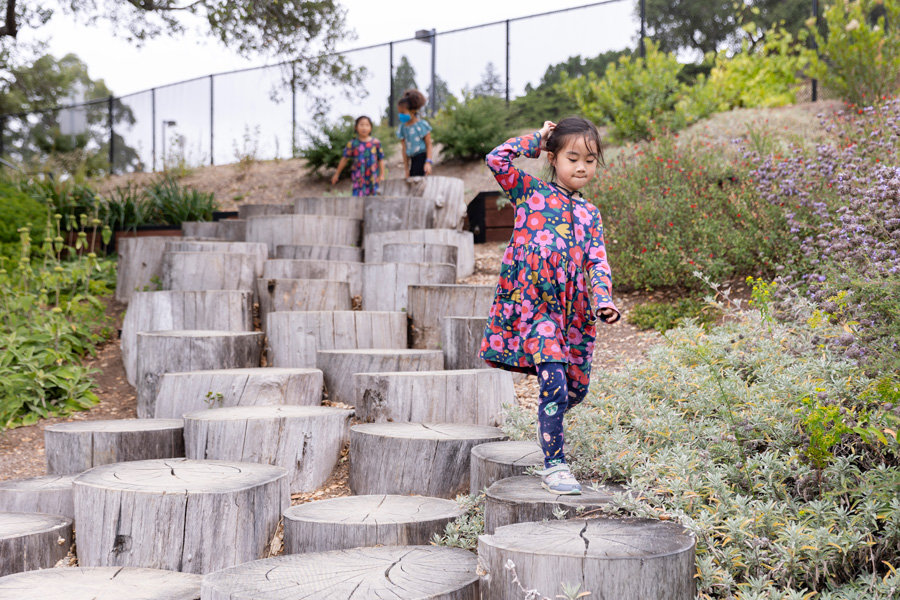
(559, 393)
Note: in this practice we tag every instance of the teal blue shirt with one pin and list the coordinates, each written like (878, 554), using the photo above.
(414, 135)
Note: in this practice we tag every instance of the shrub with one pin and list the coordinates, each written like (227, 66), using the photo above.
(470, 129)
(172, 204)
(326, 146)
(71, 200)
(663, 316)
(127, 208)
(18, 210)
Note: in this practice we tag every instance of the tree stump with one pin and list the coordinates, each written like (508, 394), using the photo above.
(414, 458)
(179, 514)
(339, 366)
(30, 541)
(475, 396)
(461, 342)
(385, 285)
(304, 229)
(245, 211)
(332, 330)
(161, 352)
(463, 240)
(181, 393)
(49, 494)
(351, 272)
(75, 447)
(386, 213)
(428, 305)
(101, 583)
(350, 207)
(448, 194)
(395, 572)
(305, 440)
(420, 253)
(217, 310)
(259, 251)
(500, 460)
(614, 559)
(358, 521)
(139, 266)
(301, 294)
(298, 252)
(229, 230)
(208, 271)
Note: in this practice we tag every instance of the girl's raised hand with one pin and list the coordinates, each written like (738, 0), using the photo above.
(548, 127)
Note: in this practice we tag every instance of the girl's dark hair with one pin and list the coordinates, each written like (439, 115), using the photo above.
(565, 130)
(360, 118)
(412, 99)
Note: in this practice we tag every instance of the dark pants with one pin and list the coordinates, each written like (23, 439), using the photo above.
(417, 164)
(559, 393)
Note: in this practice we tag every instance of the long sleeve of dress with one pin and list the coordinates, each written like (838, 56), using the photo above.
(597, 268)
(515, 182)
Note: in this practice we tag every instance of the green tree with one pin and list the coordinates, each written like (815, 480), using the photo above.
(490, 84)
(404, 79)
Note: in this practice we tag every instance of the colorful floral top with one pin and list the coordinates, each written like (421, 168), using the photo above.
(542, 312)
(414, 135)
(364, 170)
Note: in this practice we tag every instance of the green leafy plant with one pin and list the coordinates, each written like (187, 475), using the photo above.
(326, 145)
(663, 316)
(470, 128)
(17, 210)
(173, 204)
(463, 532)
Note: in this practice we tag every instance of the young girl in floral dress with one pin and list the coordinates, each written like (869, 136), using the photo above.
(368, 160)
(542, 322)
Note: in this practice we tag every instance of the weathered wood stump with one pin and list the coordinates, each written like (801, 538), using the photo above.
(301, 294)
(75, 447)
(304, 229)
(428, 305)
(229, 230)
(385, 285)
(181, 393)
(448, 194)
(30, 541)
(139, 266)
(299, 252)
(259, 251)
(395, 572)
(474, 396)
(463, 240)
(334, 270)
(208, 271)
(501, 460)
(420, 253)
(179, 514)
(414, 458)
(332, 330)
(521, 499)
(339, 366)
(461, 342)
(357, 521)
(217, 310)
(101, 583)
(161, 352)
(50, 494)
(351, 207)
(614, 559)
(395, 213)
(246, 211)
(305, 440)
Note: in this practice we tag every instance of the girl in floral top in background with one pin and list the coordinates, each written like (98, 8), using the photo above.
(414, 134)
(368, 160)
(541, 321)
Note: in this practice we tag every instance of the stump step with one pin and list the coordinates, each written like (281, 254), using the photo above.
(50, 494)
(281, 268)
(304, 252)
(385, 285)
(463, 240)
(500, 460)
(301, 294)
(280, 230)
(101, 583)
(339, 366)
(30, 541)
(429, 304)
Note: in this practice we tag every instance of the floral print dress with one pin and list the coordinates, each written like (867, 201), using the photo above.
(364, 170)
(556, 257)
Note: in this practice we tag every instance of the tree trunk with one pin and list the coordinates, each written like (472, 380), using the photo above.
(31, 541)
(420, 253)
(98, 583)
(350, 207)
(333, 270)
(301, 295)
(305, 440)
(613, 559)
(295, 252)
(383, 213)
(461, 341)
(179, 514)
(49, 494)
(414, 458)
(429, 304)
(181, 393)
(246, 211)
(259, 251)
(475, 397)
(448, 194)
(385, 285)
(304, 229)
(339, 366)
(139, 267)
(463, 240)
(360, 521)
(205, 271)
(500, 460)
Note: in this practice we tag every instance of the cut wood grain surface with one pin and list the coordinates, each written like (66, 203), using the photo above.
(500, 460)
(351, 207)
(310, 252)
(428, 305)
(420, 253)
(301, 294)
(447, 194)
(259, 251)
(461, 342)
(394, 213)
(385, 285)
(139, 265)
(303, 229)
(351, 272)
(31, 541)
(245, 211)
(209, 271)
(101, 583)
(463, 240)
(339, 366)
(50, 494)
(229, 230)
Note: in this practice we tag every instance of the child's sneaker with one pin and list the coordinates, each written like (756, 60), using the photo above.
(559, 480)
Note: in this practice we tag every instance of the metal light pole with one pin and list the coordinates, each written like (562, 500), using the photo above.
(429, 36)
(165, 122)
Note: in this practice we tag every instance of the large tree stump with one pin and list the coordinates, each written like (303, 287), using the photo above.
(161, 352)
(229, 230)
(181, 393)
(304, 229)
(300, 252)
(428, 305)
(420, 253)
(305, 440)
(334, 270)
(613, 559)
(414, 458)
(302, 295)
(351, 207)
(245, 211)
(30, 541)
(259, 251)
(357, 521)
(386, 213)
(521, 499)
(217, 310)
(339, 366)
(395, 572)
(139, 267)
(501, 460)
(179, 514)
(461, 342)
(50, 494)
(208, 271)
(101, 583)
(385, 285)
(333, 330)
(447, 194)
(463, 240)
(75, 447)
(475, 396)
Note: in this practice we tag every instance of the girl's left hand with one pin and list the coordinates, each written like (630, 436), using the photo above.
(381, 177)
(428, 168)
(609, 315)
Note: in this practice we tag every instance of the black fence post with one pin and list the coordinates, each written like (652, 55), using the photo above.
(293, 109)
(391, 74)
(2, 131)
(433, 72)
(507, 63)
(815, 82)
(643, 27)
(153, 124)
(212, 145)
(112, 134)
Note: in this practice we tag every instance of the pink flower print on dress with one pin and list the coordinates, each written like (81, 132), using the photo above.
(574, 336)
(579, 232)
(508, 256)
(494, 161)
(522, 238)
(546, 329)
(527, 308)
(507, 310)
(597, 253)
(513, 343)
(536, 202)
(543, 238)
(576, 254)
(560, 243)
(497, 343)
(583, 216)
(520, 217)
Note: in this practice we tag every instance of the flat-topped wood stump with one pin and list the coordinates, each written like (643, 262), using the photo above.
(429, 304)
(461, 342)
(245, 211)
(181, 393)
(101, 583)
(339, 366)
(307, 252)
(463, 240)
(475, 396)
(228, 230)
(305, 440)
(385, 285)
(395, 572)
(30, 541)
(260, 252)
(394, 213)
(321, 230)
(50, 494)
(613, 559)
(208, 271)
(301, 294)
(414, 458)
(179, 515)
(333, 270)
(413, 252)
(351, 207)
(140, 262)
(500, 460)
(357, 521)
(447, 194)
(72, 448)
